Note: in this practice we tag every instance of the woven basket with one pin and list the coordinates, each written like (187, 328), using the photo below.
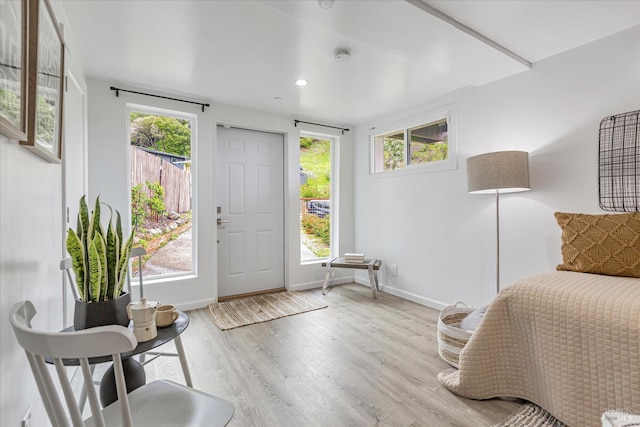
(452, 339)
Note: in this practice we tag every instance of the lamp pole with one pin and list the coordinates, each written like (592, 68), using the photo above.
(497, 241)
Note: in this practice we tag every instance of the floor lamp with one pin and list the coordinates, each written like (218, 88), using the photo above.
(495, 173)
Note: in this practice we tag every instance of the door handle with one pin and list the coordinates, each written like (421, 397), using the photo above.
(222, 221)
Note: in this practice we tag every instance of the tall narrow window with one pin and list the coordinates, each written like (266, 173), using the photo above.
(315, 198)
(161, 190)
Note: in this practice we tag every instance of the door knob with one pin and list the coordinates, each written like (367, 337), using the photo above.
(222, 221)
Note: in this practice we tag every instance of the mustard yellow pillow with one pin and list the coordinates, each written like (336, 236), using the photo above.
(600, 244)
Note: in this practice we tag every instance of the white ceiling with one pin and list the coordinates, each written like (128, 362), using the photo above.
(247, 53)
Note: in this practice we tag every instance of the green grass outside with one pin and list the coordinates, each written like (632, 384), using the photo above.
(316, 163)
(315, 159)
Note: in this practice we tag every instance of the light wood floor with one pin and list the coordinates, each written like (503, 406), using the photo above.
(359, 362)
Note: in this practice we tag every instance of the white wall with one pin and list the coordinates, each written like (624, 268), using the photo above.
(108, 160)
(442, 238)
(30, 251)
(31, 246)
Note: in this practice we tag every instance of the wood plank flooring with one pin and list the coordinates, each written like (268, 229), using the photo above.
(359, 362)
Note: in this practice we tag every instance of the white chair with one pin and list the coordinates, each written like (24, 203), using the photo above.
(159, 403)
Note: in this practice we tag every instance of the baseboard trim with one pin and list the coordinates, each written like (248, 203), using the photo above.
(427, 302)
(194, 305)
(318, 284)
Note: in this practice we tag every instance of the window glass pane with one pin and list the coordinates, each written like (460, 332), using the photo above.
(315, 198)
(389, 151)
(161, 199)
(428, 143)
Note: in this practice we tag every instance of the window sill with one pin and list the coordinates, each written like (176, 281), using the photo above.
(314, 261)
(417, 169)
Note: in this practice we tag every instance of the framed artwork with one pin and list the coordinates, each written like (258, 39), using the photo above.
(45, 83)
(13, 69)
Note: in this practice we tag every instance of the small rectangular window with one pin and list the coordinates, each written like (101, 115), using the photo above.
(420, 145)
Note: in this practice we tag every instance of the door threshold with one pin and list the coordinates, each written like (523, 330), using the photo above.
(251, 294)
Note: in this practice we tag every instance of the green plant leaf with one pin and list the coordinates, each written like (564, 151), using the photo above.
(119, 228)
(123, 265)
(95, 273)
(119, 246)
(112, 260)
(96, 226)
(76, 250)
(82, 231)
(83, 218)
(101, 250)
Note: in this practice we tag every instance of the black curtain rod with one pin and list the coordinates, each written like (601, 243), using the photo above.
(118, 90)
(295, 123)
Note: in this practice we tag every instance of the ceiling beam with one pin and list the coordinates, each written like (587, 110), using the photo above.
(473, 33)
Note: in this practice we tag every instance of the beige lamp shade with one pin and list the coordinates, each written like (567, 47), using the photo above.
(501, 171)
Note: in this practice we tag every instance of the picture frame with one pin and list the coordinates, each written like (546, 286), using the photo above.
(45, 82)
(13, 69)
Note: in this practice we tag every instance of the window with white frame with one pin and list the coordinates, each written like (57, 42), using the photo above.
(162, 144)
(317, 207)
(425, 143)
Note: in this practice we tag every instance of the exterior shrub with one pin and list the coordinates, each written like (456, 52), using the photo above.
(319, 227)
(156, 201)
(308, 191)
(138, 206)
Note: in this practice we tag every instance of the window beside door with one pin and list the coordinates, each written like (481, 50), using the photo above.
(161, 157)
(315, 197)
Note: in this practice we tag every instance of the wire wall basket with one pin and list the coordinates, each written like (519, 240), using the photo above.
(619, 162)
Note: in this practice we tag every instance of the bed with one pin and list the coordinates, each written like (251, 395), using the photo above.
(568, 341)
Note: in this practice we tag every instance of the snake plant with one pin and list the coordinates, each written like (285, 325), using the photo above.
(99, 258)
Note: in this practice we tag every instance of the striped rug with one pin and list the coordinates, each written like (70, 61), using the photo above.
(261, 308)
(531, 415)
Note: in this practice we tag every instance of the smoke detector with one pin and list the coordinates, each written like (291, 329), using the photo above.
(342, 55)
(325, 4)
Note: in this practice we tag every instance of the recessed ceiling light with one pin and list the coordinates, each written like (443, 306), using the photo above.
(302, 82)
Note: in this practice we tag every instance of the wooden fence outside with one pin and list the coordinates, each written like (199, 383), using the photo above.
(175, 181)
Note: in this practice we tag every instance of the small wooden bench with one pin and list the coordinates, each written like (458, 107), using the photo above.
(373, 265)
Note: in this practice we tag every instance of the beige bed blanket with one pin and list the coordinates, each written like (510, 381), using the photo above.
(569, 342)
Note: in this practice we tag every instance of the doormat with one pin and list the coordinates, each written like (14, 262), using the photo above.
(261, 308)
(531, 415)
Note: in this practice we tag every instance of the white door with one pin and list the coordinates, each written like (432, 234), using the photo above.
(250, 188)
(75, 181)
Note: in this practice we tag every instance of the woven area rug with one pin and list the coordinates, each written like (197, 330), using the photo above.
(261, 308)
(531, 415)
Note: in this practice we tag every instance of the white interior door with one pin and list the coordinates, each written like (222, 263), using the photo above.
(75, 160)
(250, 188)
